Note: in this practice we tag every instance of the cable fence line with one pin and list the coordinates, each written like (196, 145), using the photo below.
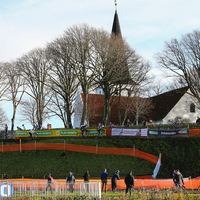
(41, 189)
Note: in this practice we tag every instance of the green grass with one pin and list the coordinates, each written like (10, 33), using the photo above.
(176, 153)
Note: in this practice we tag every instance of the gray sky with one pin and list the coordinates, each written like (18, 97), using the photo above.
(26, 24)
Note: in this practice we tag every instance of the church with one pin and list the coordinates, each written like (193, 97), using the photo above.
(166, 107)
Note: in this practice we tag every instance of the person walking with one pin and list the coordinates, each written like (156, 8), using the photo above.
(114, 180)
(178, 179)
(104, 176)
(129, 181)
(50, 181)
(6, 131)
(71, 182)
(86, 180)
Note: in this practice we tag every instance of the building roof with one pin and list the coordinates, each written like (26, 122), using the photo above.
(116, 26)
(165, 102)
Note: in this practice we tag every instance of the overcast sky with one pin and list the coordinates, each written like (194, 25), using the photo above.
(26, 24)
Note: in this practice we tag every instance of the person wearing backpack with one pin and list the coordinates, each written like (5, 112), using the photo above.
(129, 181)
(71, 181)
(86, 180)
(50, 182)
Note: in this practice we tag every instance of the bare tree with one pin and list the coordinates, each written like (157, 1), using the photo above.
(62, 77)
(16, 88)
(182, 59)
(34, 67)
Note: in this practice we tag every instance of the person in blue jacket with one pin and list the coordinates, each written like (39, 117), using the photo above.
(71, 181)
(104, 176)
(114, 180)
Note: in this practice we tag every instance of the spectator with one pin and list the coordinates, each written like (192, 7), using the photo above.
(86, 180)
(6, 131)
(176, 122)
(50, 181)
(6, 176)
(70, 125)
(42, 127)
(128, 123)
(71, 181)
(19, 129)
(173, 176)
(129, 181)
(111, 125)
(104, 176)
(114, 180)
(152, 124)
(198, 120)
(144, 122)
(23, 127)
(48, 126)
(178, 179)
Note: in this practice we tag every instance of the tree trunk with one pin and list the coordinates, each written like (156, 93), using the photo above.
(13, 118)
(84, 107)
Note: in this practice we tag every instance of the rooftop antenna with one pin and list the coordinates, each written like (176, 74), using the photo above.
(115, 5)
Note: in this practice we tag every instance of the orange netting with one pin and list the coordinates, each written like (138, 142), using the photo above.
(139, 183)
(80, 148)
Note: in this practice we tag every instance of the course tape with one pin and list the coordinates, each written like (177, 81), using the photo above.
(80, 148)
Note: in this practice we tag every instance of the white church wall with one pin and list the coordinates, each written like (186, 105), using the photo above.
(78, 110)
(182, 109)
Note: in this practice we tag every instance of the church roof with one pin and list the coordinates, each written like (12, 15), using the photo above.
(165, 102)
(116, 26)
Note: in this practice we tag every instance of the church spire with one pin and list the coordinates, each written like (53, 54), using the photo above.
(116, 27)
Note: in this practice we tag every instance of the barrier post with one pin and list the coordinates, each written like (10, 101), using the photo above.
(96, 148)
(20, 146)
(7, 188)
(64, 145)
(2, 147)
(35, 144)
(160, 158)
(134, 150)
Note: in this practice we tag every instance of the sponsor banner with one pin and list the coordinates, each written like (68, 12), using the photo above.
(129, 132)
(160, 132)
(43, 133)
(68, 133)
(22, 133)
(6, 190)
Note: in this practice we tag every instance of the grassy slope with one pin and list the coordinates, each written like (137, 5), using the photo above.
(177, 152)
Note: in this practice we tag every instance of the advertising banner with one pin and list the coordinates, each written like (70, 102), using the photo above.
(6, 190)
(160, 132)
(129, 132)
(68, 133)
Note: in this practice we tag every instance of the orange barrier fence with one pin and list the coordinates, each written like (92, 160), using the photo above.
(194, 132)
(80, 148)
(139, 183)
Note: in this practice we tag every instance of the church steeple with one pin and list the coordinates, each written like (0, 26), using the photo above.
(116, 27)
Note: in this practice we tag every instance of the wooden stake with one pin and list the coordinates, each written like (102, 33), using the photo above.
(20, 145)
(134, 150)
(35, 144)
(64, 145)
(96, 148)
(2, 147)
(160, 158)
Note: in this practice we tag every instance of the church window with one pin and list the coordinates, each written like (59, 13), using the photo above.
(192, 108)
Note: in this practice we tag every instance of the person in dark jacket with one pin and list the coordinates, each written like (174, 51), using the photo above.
(178, 179)
(6, 176)
(49, 183)
(129, 181)
(86, 180)
(114, 180)
(104, 176)
(71, 181)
